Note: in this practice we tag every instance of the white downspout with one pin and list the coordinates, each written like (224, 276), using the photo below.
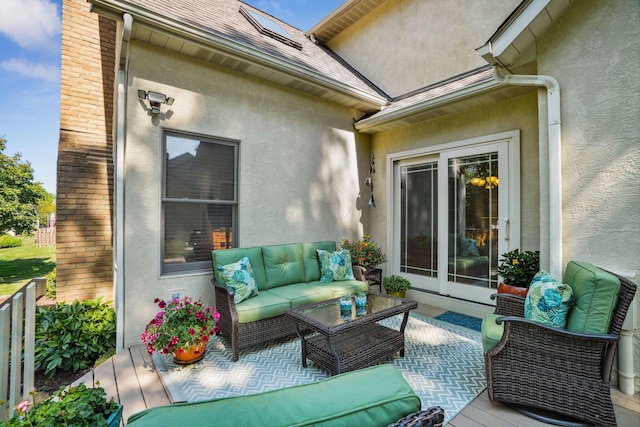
(119, 181)
(555, 158)
(625, 349)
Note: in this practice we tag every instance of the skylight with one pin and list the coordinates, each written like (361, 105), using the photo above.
(270, 28)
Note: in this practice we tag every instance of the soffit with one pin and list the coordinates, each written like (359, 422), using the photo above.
(344, 16)
(514, 41)
(464, 92)
(216, 32)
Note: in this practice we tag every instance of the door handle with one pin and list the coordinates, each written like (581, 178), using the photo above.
(506, 229)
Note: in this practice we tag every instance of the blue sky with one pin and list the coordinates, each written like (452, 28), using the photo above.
(30, 73)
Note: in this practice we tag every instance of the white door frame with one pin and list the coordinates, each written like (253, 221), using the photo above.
(513, 159)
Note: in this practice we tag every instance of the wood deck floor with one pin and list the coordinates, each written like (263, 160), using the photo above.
(131, 379)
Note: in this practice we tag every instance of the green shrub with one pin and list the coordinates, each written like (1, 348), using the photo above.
(71, 337)
(7, 241)
(51, 284)
(78, 406)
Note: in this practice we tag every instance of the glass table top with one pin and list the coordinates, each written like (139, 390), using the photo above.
(331, 314)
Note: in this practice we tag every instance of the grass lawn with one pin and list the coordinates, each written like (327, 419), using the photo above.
(26, 262)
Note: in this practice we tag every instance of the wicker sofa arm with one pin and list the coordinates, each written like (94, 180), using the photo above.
(217, 284)
(565, 334)
(509, 305)
(358, 273)
(432, 417)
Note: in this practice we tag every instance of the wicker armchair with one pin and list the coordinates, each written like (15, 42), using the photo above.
(554, 374)
(431, 417)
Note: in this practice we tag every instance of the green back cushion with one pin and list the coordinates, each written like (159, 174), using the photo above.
(229, 256)
(371, 396)
(310, 258)
(595, 294)
(283, 264)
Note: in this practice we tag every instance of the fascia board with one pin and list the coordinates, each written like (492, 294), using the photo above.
(329, 18)
(502, 41)
(372, 122)
(236, 50)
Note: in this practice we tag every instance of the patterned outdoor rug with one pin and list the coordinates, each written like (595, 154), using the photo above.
(460, 320)
(443, 363)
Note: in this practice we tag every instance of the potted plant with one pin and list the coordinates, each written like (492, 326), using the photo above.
(77, 406)
(516, 270)
(182, 328)
(396, 285)
(366, 254)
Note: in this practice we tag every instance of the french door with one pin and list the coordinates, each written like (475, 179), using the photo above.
(451, 217)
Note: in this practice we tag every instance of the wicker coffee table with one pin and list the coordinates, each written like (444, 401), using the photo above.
(349, 341)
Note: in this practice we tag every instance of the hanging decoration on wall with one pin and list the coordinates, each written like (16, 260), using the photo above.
(369, 181)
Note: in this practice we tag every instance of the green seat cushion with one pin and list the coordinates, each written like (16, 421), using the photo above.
(342, 287)
(310, 258)
(335, 265)
(302, 293)
(283, 264)
(239, 276)
(262, 306)
(595, 294)
(228, 256)
(366, 397)
(491, 332)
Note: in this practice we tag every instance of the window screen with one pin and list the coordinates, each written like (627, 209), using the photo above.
(199, 203)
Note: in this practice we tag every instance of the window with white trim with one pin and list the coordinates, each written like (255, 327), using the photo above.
(199, 200)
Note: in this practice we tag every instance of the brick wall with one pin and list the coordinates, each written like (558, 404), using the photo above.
(85, 166)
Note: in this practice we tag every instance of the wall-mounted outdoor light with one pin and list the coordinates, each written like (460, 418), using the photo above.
(155, 99)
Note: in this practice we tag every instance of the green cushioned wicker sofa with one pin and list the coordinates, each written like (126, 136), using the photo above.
(287, 276)
(376, 396)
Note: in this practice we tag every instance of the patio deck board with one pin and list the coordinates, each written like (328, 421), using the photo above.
(131, 378)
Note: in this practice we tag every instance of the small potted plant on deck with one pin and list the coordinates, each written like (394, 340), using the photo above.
(182, 328)
(78, 406)
(367, 255)
(517, 269)
(396, 285)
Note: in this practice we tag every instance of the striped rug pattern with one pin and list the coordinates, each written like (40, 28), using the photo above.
(443, 363)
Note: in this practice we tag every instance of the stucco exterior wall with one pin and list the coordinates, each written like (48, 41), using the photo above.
(594, 53)
(403, 45)
(301, 167)
(518, 113)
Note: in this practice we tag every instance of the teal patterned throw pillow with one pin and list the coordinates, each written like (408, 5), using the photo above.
(548, 302)
(335, 265)
(239, 276)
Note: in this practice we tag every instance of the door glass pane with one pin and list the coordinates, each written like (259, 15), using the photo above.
(473, 220)
(419, 220)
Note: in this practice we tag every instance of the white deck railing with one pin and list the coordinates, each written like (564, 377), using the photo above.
(17, 339)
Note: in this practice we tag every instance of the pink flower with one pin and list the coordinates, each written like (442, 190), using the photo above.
(22, 406)
(162, 304)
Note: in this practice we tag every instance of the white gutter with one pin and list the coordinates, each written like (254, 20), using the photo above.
(484, 85)
(118, 246)
(555, 158)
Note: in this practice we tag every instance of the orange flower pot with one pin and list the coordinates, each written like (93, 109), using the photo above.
(503, 288)
(191, 355)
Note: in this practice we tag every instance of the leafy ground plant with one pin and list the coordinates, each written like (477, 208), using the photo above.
(77, 406)
(71, 337)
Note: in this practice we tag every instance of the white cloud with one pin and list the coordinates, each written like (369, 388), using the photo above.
(50, 73)
(32, 24)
